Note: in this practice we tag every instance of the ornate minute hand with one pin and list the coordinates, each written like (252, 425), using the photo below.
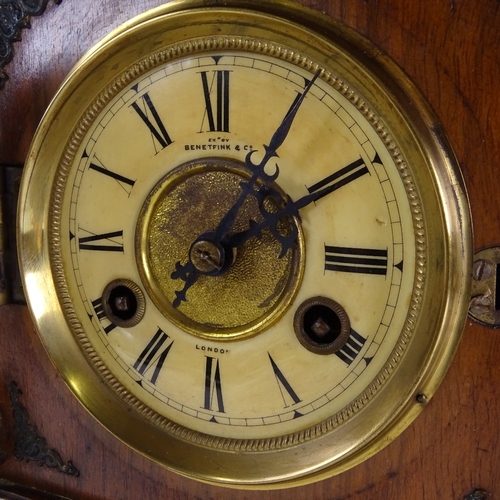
(247, 188)
(188, 272)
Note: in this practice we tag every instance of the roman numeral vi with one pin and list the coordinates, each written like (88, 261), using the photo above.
(213, 385)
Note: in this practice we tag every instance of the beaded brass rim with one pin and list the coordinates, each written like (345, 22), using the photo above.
(437, 200)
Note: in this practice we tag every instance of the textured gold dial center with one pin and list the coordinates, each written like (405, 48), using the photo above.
(237, 292)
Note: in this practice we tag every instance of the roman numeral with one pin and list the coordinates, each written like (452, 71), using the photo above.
(124, 182)
(341, 178)
(154, 356)
(216, 109)
(213, 386)
(352, 348)
(149, 115)
(108, 242)
(101, 315)
(356, 260)
(286, 390)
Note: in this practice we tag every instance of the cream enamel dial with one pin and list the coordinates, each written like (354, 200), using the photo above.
(357, 248)
(245, 242)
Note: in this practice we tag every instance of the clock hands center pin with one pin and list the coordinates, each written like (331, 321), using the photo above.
(212, 253)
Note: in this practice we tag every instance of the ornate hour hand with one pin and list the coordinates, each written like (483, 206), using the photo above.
(218, 254)
(278, 222)
(291, 209)
(273, 220)
(189, 274)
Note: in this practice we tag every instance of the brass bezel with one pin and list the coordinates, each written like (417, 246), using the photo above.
(442, 278)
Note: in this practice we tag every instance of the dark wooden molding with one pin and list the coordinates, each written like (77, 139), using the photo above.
(10, 490)
(11, 288)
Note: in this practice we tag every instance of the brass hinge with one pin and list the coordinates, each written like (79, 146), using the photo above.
(11, 290)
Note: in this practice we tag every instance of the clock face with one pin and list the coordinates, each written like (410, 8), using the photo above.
(245, 242)
(160, 166)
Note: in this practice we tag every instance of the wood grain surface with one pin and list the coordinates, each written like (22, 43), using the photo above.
(450, 49)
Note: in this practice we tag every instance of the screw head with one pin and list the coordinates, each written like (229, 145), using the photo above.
(482, 269)
(206, 256)
(421, 399)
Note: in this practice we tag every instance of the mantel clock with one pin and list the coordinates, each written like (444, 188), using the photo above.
(245, 242)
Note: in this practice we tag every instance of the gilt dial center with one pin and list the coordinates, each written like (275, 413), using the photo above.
(189, 270)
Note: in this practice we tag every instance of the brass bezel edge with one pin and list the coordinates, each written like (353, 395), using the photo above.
(440, 356)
